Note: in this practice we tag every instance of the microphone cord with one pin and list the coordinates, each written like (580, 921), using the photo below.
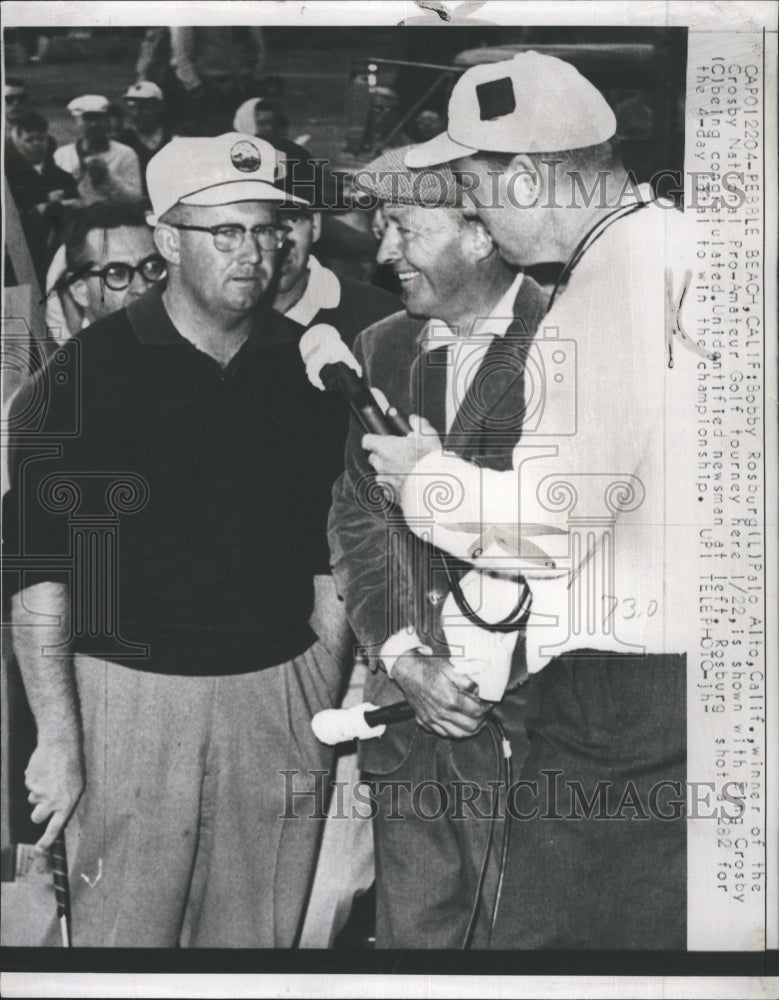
(503, 758)
(513, 621)
(504, 849)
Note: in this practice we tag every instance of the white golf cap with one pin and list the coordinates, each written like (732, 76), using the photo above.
(215, 171)
(144, 91)
(529, 104)
(88, 104)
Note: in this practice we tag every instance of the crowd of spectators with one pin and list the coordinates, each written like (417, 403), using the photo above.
(189, 81)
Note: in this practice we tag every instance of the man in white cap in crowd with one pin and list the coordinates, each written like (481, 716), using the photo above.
(146, 133)
(455, 356)
(103, 169)
(169, 700)
(599, 858)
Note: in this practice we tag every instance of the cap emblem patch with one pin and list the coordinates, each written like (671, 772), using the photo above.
(496, 98)
(245, 156)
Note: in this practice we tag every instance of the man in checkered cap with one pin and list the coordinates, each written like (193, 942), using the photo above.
(454, 359)
(603, 468)
(166, 718)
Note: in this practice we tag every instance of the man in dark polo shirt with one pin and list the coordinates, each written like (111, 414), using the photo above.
(165, 521)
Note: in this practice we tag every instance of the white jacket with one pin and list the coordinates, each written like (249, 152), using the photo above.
(600, 512)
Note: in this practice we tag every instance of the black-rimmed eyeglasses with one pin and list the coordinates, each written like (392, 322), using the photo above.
(118, 276)
(232, 237)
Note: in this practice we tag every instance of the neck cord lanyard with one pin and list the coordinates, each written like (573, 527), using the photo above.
(589, 238)
(674, 329)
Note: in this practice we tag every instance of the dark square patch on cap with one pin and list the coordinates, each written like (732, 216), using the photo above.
(496, 98)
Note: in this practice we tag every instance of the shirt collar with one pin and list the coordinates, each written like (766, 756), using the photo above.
(152, 325)
(323, 291)
(436, 333)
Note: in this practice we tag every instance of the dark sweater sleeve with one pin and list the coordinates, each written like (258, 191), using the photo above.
(330, 419)
(45, 441)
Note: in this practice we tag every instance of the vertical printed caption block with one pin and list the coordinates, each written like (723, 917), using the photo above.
(727, 666)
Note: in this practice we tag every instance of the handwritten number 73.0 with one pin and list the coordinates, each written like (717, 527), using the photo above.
(630, 607)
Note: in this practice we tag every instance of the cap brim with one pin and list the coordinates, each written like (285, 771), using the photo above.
(225, 194)
(232, 191)
(293, 204)
(441, 149)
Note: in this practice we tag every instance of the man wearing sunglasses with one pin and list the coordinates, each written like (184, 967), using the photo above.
(166, 726)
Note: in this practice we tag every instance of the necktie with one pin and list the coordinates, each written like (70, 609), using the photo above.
(429, 386)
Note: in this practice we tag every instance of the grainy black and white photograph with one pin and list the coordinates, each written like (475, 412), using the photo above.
(389, 499)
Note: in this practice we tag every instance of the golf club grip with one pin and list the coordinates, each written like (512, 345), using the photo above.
(59, 865)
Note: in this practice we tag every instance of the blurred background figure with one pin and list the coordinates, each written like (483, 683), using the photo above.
(272, 87)
(39, 188)
(17, 102)
(426, 124)
(116, 120)
(145, 131)
(269, 121)
(216, 68)
(154, 57)
(42, 45)
(384, 115)
(116, 117)
(103, 169)
(16, 98)
(385, 112)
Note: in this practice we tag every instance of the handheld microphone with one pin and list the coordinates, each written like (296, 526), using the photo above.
(361, 722)
(399, 420)
(331, 365)
(394, 416)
